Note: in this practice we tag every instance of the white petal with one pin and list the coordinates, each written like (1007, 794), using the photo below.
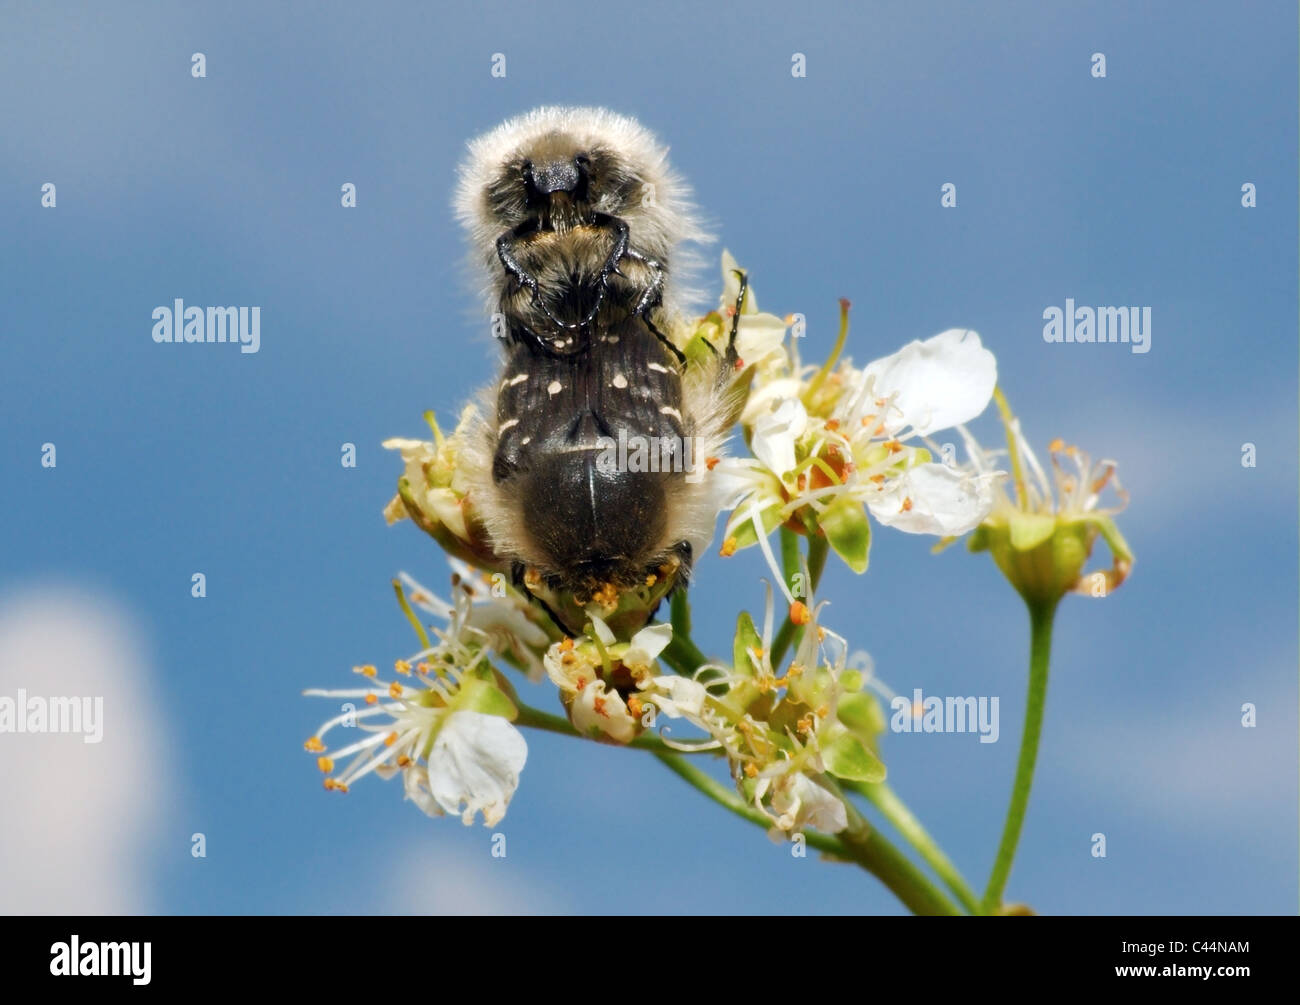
(731, 285)
(762, 399)
(404, 444)
(759, 336)
(416, 780)
(678, 697)
(446, 507)
(775, 434)
(602, 630)
(476, 760)
(604, 711)
(943, 500)
(801, 802)
(940, 382)
(647, 644)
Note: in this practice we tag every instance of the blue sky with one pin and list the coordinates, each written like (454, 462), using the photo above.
(174, 459)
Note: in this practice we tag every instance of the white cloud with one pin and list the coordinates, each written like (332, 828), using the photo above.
(78, 816)
(438, 880)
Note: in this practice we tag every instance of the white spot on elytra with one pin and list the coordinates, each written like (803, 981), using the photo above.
(658, 368)
(669, 410)
(518, 378)
(620, 381)
(554, 387)
(526, 440)
(611, 339)
(508, 424)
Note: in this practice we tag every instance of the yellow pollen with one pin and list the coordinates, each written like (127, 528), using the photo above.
(390, 739)
(401, 666)
(750, 770)
(326, 764)
(403, 761)
(823, 711)
(606, 596)
(907, 505)
(832, 425)
(728, 547)
(894, 446)
(367, 671)
(634, 706)
(313, 745)
(799, 613)
(394, 690)
(1056, 445)
(712, 462)
(566, 645)
(371, 699)
(423, 667)
(651, 579)
(568, 659)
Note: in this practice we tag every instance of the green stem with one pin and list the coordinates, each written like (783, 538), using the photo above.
(680, 606)
(1040, 651)
(818, 548)
(789, 554)
(549, 723)
(905, 822)
(858, 843)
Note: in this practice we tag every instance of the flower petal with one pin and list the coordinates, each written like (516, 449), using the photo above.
(678, 697)
(800, 802)
(938, 383)
(775, 434)
(647, 644)
(476, 760)
(935, 499)
(597, 710)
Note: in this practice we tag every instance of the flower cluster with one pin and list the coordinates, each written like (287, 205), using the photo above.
(444, 722)
(779, 727)
(830, 448)
(1042, 535)
(828, 441)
